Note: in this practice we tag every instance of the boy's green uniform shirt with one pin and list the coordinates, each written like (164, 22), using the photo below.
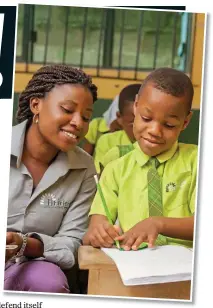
(107, 142)
(124, 185)
(97, 127)
(114, 154)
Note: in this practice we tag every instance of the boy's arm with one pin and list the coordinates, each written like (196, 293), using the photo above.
(92, 132)
(90, 138)
(100, 232)
(182, 228)
(148, 229)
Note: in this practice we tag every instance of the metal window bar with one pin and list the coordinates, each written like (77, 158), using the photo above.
(49, 14)
(138, 44)
(188, 59)
(186, 28)
(108, 38)
(157, 39)
(83, 36)
(174, 51)
(32, 33)
(65, 34)
(121, 43)
(103, 22)
(20, 17)
(26, 45)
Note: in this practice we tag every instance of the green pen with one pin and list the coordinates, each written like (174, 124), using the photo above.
(105, 206)
(142, 246)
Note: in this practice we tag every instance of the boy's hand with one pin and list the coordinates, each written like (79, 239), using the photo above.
(101, 235)
(145, 231)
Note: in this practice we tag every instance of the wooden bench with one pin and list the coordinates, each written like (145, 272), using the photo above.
(104, 279)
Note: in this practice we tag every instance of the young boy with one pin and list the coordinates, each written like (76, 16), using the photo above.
(125, 118)
(162, 110)
(101, 125)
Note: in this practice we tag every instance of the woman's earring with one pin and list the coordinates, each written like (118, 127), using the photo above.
(35, 118)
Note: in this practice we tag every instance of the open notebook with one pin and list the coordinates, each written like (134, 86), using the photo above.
(153, 265)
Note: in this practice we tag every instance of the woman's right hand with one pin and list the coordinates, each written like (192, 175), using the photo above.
(12, 238)
(101, 234)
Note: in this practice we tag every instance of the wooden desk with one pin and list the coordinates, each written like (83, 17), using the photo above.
(104, 279)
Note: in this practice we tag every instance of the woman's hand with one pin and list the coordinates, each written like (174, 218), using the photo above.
(12, 238)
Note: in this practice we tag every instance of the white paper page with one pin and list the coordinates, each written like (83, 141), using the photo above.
(162, 261)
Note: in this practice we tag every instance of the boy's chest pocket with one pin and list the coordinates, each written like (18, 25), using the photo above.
(176, 191)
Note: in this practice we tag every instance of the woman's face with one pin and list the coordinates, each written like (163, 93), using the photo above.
(63, 115)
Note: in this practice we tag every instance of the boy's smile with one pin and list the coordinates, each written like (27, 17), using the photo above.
(159, 119)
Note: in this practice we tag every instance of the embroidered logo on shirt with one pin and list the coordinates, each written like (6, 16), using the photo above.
(49, 200)
(171, 187)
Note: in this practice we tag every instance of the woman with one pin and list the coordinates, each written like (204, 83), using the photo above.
(51, 179)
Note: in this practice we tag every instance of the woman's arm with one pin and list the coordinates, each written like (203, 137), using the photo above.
(34, 247)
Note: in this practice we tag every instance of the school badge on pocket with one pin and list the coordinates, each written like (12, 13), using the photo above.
(171, 187)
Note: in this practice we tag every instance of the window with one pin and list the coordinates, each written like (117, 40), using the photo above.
(104, 38)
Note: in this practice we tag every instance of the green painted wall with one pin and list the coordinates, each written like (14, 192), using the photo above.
(190, 135)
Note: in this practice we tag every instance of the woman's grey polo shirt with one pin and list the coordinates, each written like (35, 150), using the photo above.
(57, 210)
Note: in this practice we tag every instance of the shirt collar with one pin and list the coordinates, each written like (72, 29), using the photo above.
(103, 127)
(142, 158)
(70, 160)
(168, 154)
(125, 138)
(17, 141)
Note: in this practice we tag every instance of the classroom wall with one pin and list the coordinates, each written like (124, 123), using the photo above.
(190, 135)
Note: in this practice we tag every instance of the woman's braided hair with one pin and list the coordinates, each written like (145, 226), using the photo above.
(45, 79)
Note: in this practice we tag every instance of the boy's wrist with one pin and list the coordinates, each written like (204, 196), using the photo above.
(96, 219)
(159, 223)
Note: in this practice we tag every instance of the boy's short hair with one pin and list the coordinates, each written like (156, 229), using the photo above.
(127, 95)
(171, 81)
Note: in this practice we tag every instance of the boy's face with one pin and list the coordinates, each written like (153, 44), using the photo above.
(126, 120)
(159, 119)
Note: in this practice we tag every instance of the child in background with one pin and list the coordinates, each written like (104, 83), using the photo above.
(152, 189)
(117, 152)
(101, 125)
(125, 118)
